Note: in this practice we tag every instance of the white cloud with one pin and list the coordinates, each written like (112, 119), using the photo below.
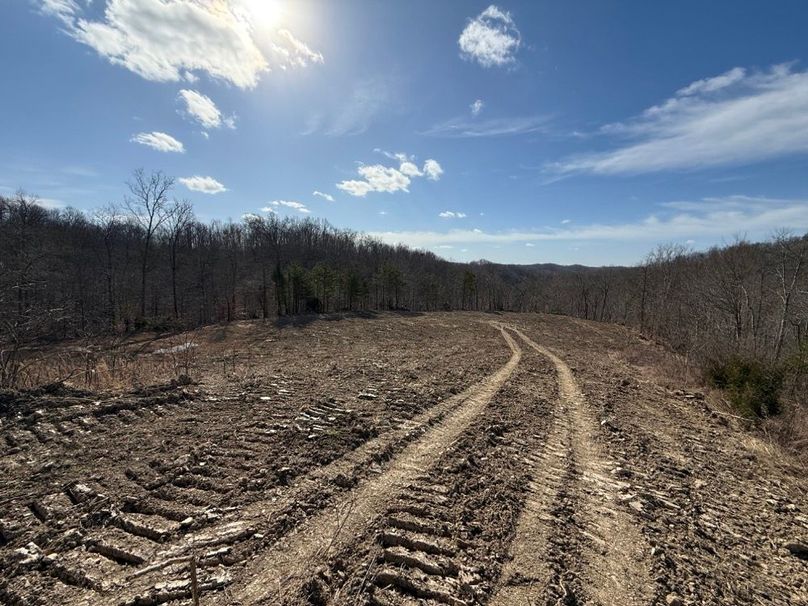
(494, 127)
(320, 194)
(733, 119)
(406, 164)
(380, 178)
(710, 217)
(384, 178)
(293, 51)
(709, 85)
(159, 141)
(206, 185)
(477, 107)
(203, 110)
(450, 214)
(529, 244)
(355, 187)
(566, 221)
(294, 205)
(491, 38)
(172, 40)
(432, 170)
(64, 10)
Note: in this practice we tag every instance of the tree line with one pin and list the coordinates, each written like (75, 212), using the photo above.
(148, 263)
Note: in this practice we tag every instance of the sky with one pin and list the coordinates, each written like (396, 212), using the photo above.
(519, 132)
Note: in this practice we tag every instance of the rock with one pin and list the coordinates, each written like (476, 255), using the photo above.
(81, 493)
(673, 600)
(30, 554)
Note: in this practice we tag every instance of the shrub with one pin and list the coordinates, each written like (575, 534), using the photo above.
(752, 386)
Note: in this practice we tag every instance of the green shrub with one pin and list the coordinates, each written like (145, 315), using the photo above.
(752, 386)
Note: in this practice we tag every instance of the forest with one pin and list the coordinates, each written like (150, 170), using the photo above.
(149, 264)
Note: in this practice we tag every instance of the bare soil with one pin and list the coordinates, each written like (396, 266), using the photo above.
(428, 459)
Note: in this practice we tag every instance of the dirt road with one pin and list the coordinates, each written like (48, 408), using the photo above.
(439, 459)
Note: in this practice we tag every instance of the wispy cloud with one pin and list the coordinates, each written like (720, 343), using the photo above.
(380, 178)
(159, 141)
(477, 107)
(292, 204)
(735, 118)
(203, 110)
(710, 217)
(205, 185)
(462, 126)
(64, 10)
(364, 105)
(229, 41)
(325, 196)
(491, 38)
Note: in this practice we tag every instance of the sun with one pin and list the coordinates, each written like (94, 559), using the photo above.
(264, 14)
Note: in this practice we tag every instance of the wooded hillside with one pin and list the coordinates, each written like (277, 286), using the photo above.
(149, 264)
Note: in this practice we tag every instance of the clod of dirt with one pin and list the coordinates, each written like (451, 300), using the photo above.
(799, 550)
(673, 600)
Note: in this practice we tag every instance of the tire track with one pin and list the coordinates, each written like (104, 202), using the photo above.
(150, 525)
(573, 545)
(289, 564)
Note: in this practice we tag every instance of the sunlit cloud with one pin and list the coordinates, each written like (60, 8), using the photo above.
(491, 38)
(175, 40)
(325, 196)
(388, 179)
(291, 204)
(159, 141)
(450, 214)
(735, 118)
(203, 110)
(205, 185)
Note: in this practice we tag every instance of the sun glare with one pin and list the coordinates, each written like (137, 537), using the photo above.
(264, 14)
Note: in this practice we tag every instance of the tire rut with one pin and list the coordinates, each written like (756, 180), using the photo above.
(289, 564)
(573, 545)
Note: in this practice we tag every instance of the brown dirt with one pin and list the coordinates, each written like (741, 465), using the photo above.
(401, 459)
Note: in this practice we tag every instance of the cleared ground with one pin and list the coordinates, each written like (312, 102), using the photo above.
(400, 459)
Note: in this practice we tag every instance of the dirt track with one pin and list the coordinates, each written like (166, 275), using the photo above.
(440, 459)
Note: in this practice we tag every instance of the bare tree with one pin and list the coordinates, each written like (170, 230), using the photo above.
(181, 216)
(790, 256)
(148, 207)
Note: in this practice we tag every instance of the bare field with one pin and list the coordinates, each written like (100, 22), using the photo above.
(449, 458)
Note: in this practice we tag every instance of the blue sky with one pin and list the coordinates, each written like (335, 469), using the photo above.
(569, 132)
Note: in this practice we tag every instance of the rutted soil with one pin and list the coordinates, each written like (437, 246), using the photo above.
(438, 459)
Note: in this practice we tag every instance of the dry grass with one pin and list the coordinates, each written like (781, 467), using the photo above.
(145, 359)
